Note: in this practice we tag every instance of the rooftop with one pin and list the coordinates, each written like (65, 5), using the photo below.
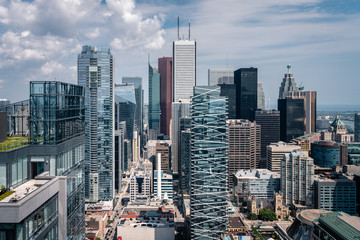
(307, 216)
(256, 174)
(235, 222)
(13, 143)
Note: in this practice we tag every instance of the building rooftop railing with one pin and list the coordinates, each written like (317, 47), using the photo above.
(13, 143)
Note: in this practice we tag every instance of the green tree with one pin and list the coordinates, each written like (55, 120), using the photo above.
(252, 216)
(267, 215)
(2, 189)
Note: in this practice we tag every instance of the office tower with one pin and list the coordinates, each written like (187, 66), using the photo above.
(288, 84)
(276, 152)
(166, 88)
(125, 105)
(292, 118)
(220, 76)
(185, 154)
(139, 109)
(166, 189)
(209, 164)
(120, 130)
(140, 182)
(246, 83)
(184, 69)
(244, 146)
(260, 97)
(357, 184)
(164, 150)
(229, 91)
(338, 195)
(95, 74)
(297, 178)
(260, 183)
(357, 127)
(309, 107)
(179, 110)
(328, 154)
(46, 169)
(269, 120)
(154, 100)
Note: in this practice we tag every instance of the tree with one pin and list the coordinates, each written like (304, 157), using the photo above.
(252, 216)
(267, 215)
(2, 189)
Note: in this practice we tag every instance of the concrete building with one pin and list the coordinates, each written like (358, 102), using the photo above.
(260, 97)
(165, 150)
(297, 178)
(184, 69)
(166, 87)
(305, 141)
(95, 74)
(140, 183)
(246, 82)
(288, 84)
(275, 154)
(269, 121)
(220, 76)
(244, 146)
(329, 154)
(338, 195)
(150, 148)
(260, 183)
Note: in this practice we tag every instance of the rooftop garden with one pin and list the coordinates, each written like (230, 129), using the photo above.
(13, 143)
(4, 192)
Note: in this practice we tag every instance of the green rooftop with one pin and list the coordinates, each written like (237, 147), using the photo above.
(13, 143)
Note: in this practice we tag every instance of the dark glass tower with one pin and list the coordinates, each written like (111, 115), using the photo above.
(246, 83)
(165, 70)
(229, 91)
(292, 118)
(209, 164)
(357, 127)
(154, 99)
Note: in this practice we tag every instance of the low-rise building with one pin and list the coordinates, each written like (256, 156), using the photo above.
(329, 154)
(140, 182)
(305, 141)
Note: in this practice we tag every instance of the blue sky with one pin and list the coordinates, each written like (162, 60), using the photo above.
(40, 40)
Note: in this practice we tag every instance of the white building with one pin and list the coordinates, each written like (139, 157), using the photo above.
(184, 69)
(220, 75)
(276, 152)
(140, 182)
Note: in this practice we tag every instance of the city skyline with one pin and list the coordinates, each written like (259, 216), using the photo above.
(316, 37)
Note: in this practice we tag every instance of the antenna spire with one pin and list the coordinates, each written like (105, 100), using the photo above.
(189, 29)
(178, 23)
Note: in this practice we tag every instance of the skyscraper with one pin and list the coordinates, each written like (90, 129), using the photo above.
(139, 110)
(125, 105)
(246, 83)
(184, 69)
(292, 118)
(357, 127)
(260, 97)
(244, 146)
(165, 70)
(154, 100)
(276, 152)
(95, 74)
(209, 146)
(219, 76)
(269, 120)
(229, 91)
(288, 84)
(297, 178)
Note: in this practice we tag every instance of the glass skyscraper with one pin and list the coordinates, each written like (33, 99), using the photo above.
(209, 163)
(154, 99)
(95, 74)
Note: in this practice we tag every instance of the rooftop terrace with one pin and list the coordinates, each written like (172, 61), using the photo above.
(13, 143)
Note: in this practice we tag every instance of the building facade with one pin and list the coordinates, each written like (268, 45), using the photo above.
(220, 75)
(246, 81)
(140, 185)
(357, 127)
(260, 97)
(297, 178)
(275, 154)
(165, 70)
(269, 121)
(288, 84)
(95, 74)
(244, 146)
(328, 154)
(166, 185)
(184, 69)
(209, 164)
(229, 91)
(154, 100)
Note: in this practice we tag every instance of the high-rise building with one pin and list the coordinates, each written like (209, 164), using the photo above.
(184, 69)
(276, 152)
(309, 107)
(246, 81)
(288, 84)
(46, 170)
(229, 91)
(338, 195)
(244, 146)
(154, 100)
(269, 120)
(357, 127)
(209, 163)
(139, 109)
(292, 118)
(179, 110)
(95, 74)
(165, 70)
(119, 134)
(297, 178)
(166, 185)
(164, 150)
(185, 154)
(260, 97)
(125, 104)
(220, 76)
